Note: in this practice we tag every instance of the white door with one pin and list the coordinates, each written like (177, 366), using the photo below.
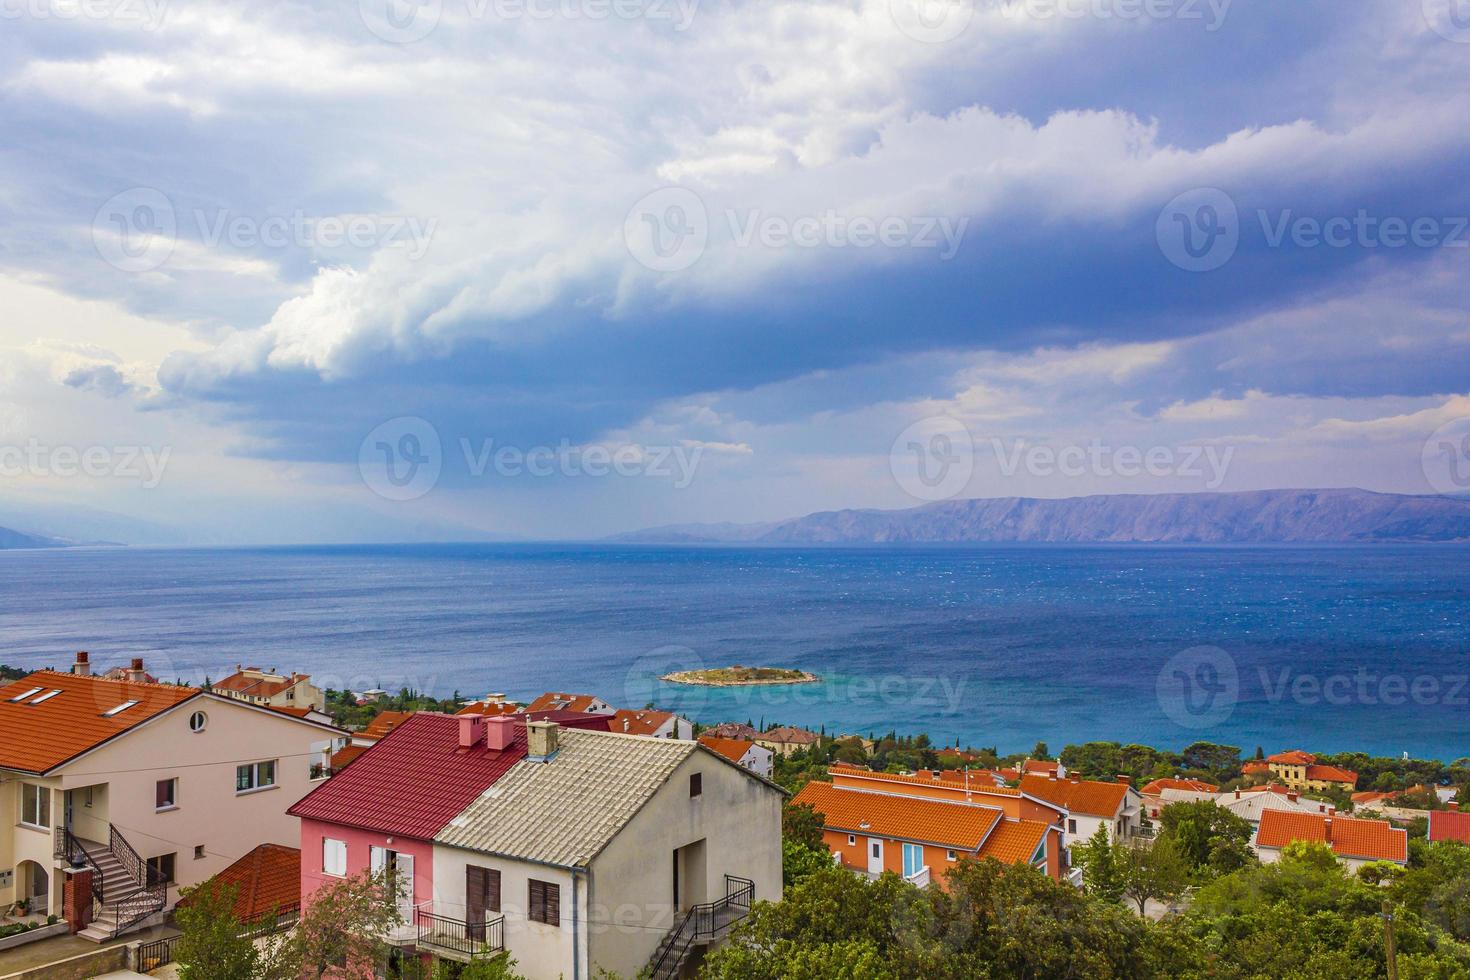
(403, 876)
(875, 856)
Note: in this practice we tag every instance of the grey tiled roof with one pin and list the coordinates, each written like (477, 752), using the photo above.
(565, 811)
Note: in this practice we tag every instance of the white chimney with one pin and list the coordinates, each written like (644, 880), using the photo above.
(83, 666)
(136, 674)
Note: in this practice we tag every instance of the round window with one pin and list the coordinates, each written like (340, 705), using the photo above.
(197, 721)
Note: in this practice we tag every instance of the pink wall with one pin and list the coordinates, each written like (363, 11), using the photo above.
(358, 842)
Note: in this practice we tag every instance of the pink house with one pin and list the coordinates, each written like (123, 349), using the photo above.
(383, 811)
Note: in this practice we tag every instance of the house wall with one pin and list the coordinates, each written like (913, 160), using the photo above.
(630, 896)
(359, 858)
(540, 950)
(20, 844)
(855, 855)
(759, 760)
(209, 812)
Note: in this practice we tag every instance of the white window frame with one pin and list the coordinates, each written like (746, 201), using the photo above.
(334, 855)
(203, 722)
(173, 804)
(851, 839)
(255, 783)
(42, 797)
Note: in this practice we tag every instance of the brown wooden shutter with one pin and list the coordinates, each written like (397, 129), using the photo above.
(474, 900)
(538, 901)
(545, 902)
(553, 904)
(492, 889)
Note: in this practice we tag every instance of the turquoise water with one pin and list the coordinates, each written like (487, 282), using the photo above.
(989, 645)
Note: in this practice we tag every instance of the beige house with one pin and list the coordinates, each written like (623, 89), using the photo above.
(123, 792)
(266, 687)
(785, 741)
(629, 833)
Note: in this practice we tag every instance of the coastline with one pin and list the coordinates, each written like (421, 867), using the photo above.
(690, 678)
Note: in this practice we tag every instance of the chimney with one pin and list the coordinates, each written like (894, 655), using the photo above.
(1125, 780)
(1052, 775)
(541, 739)
(469, 730)
(1074, 777)
(83, 666)
(499, 731)
(1452, 806)
(1291, 797)
(1331, 812)
(136, 673)
(495, 697)
(925, 774)
(1237, 794)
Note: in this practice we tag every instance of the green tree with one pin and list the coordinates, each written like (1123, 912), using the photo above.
(211, 946)
(1098, 859)
(799, 862)
(1152, 872)
(802, 824)
(1209, 837)
(347, 923)
(1040, 751)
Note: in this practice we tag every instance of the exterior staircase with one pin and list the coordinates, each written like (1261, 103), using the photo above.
(131, 895)
(702, 925)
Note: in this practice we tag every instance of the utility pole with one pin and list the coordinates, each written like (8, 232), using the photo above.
(1390, 949)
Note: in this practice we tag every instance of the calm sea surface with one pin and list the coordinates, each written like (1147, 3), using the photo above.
(1324, 648)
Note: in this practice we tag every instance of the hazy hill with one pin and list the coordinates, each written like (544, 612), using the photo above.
(19, 539)
(1262, 516)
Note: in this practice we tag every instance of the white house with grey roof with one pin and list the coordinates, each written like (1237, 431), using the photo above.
(607, 851)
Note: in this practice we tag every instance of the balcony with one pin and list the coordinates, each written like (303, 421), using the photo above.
(920, 878)
(445, 931)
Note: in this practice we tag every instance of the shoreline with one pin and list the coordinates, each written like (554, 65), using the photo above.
(691, 678)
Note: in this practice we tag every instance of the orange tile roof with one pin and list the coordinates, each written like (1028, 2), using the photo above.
(1295, 757)
(1256, 765)
(266, 880)
(735, 730)
(489, 708)
(787, 734)
(639, 722)
(1449, 825)
(558, 701)
(384, 722)
(1042, 766)
(41, 735)
(292, 711)
(1014, 841)
(1332, 774)
(346, 754)
(1195, 785)
(731, 748)
(258, 687)
(979, 780)
(1348, 836)
(1371, 797)
(1087, 796)
(959, 826)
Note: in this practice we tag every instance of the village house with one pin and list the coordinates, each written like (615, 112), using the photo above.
(575, 849)
(657, 724)
(786, 740)
(734, 729)
(266, 883)
(1249, 803)
(890, 828)
(757, 758)
(587, 704)
(491, 704)
(1116, 807)
(124, 792)
(270, 688)
(1153, 798)
(1300, 771)
(1355, 842)
(1449, 825)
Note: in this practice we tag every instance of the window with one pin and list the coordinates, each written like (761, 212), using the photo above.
(696, 784)
(87, 796)
(198, 852)
(46, 697)
(162, 867)
(35, 806)
(545, 903)
(119, 709)
(166, 794)
(255, 775)
(334, 857)
(950, 855)
(22, 697)
(851, 839)
(197, 721)
(1071, 826)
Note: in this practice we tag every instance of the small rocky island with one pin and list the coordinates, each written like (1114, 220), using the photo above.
(738, 676)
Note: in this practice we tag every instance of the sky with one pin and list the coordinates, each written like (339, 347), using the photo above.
(434, 269)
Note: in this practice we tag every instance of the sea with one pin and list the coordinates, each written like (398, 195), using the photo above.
(1350, 648)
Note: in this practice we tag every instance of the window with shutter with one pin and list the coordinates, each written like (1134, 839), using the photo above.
(545, 902)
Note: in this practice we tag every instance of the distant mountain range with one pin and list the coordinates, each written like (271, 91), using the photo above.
(1260, 516)
(20, 539)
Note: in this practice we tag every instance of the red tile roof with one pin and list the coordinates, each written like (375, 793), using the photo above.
(1195, 785)
(1042, 766)
(256, 686)
(731, 748)
(43, 732)
(1014, 841)
(1332, 774)
(1349, 837)
(346, 754)
(734, 729)
(559, 701)
(979, 781)
(1449, 825)
(383, 723)
(416, 778)
(788, 736)
(489, 708)
(1254, 766)
(1294, 757)
(960, 826)
(266, 880)
(1096, 799)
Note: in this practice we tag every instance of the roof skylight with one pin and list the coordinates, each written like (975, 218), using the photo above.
(46, 697)
(119, 709)
(22, 697)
